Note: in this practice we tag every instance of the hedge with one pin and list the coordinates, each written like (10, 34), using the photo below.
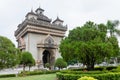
(97, 68)
(83, 72)
(104, 76)
(29, 73)
(7, 75)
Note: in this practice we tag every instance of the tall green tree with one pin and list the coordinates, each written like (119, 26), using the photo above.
(9, 55)
(27, 60)
(89, 44)
(60, 63)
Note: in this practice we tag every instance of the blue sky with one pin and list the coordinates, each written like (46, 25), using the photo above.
(73, 12)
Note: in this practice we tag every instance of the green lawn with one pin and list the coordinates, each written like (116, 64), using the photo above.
(35, 77)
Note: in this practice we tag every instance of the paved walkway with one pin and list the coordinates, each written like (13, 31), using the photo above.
(10, 71)
(15, 70)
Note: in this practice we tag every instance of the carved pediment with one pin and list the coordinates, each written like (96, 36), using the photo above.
(48, 42)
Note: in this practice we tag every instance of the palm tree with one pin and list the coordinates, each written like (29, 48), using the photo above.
(111, 25)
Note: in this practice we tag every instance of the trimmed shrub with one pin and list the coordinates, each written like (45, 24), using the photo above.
(116, 69)
(80, 69)
(83, 72)
(111, 67)
(47, 65)
(99, 68)
(29, 73)
(7, 75)
(96, 68)
(86, 78)
(103, 76)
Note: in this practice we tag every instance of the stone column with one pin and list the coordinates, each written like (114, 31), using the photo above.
(40, 55)
(52, 59)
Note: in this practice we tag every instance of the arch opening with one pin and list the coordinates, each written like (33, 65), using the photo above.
(46, 57)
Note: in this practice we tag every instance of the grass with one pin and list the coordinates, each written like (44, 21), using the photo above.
(35, 77)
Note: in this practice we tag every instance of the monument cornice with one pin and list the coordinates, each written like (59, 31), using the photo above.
(39, 30)
(37, 23)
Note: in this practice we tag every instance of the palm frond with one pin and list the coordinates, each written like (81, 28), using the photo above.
(117, 32)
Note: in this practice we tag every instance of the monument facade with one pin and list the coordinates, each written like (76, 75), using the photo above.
(41, 36)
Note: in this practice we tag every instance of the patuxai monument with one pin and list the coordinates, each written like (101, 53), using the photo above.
(41, 36)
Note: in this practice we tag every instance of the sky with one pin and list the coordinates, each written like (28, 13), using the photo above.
(74, 12)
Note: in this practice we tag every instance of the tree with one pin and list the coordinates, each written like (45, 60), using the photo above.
(8, 53)
(89, 44)
(111, 25)
(60, 63)
(27, 60)
(47, 65)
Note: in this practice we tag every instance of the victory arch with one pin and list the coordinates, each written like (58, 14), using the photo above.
(41, 36)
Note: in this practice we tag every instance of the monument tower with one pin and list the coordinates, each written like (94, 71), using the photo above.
(41, 36)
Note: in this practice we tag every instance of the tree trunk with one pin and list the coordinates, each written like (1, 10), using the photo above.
(90, 65)
(23, 67)
(29, 68)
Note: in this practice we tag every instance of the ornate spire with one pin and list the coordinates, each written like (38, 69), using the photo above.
(31, 10)
(39, 10)
(58, 21)
(29, 14)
